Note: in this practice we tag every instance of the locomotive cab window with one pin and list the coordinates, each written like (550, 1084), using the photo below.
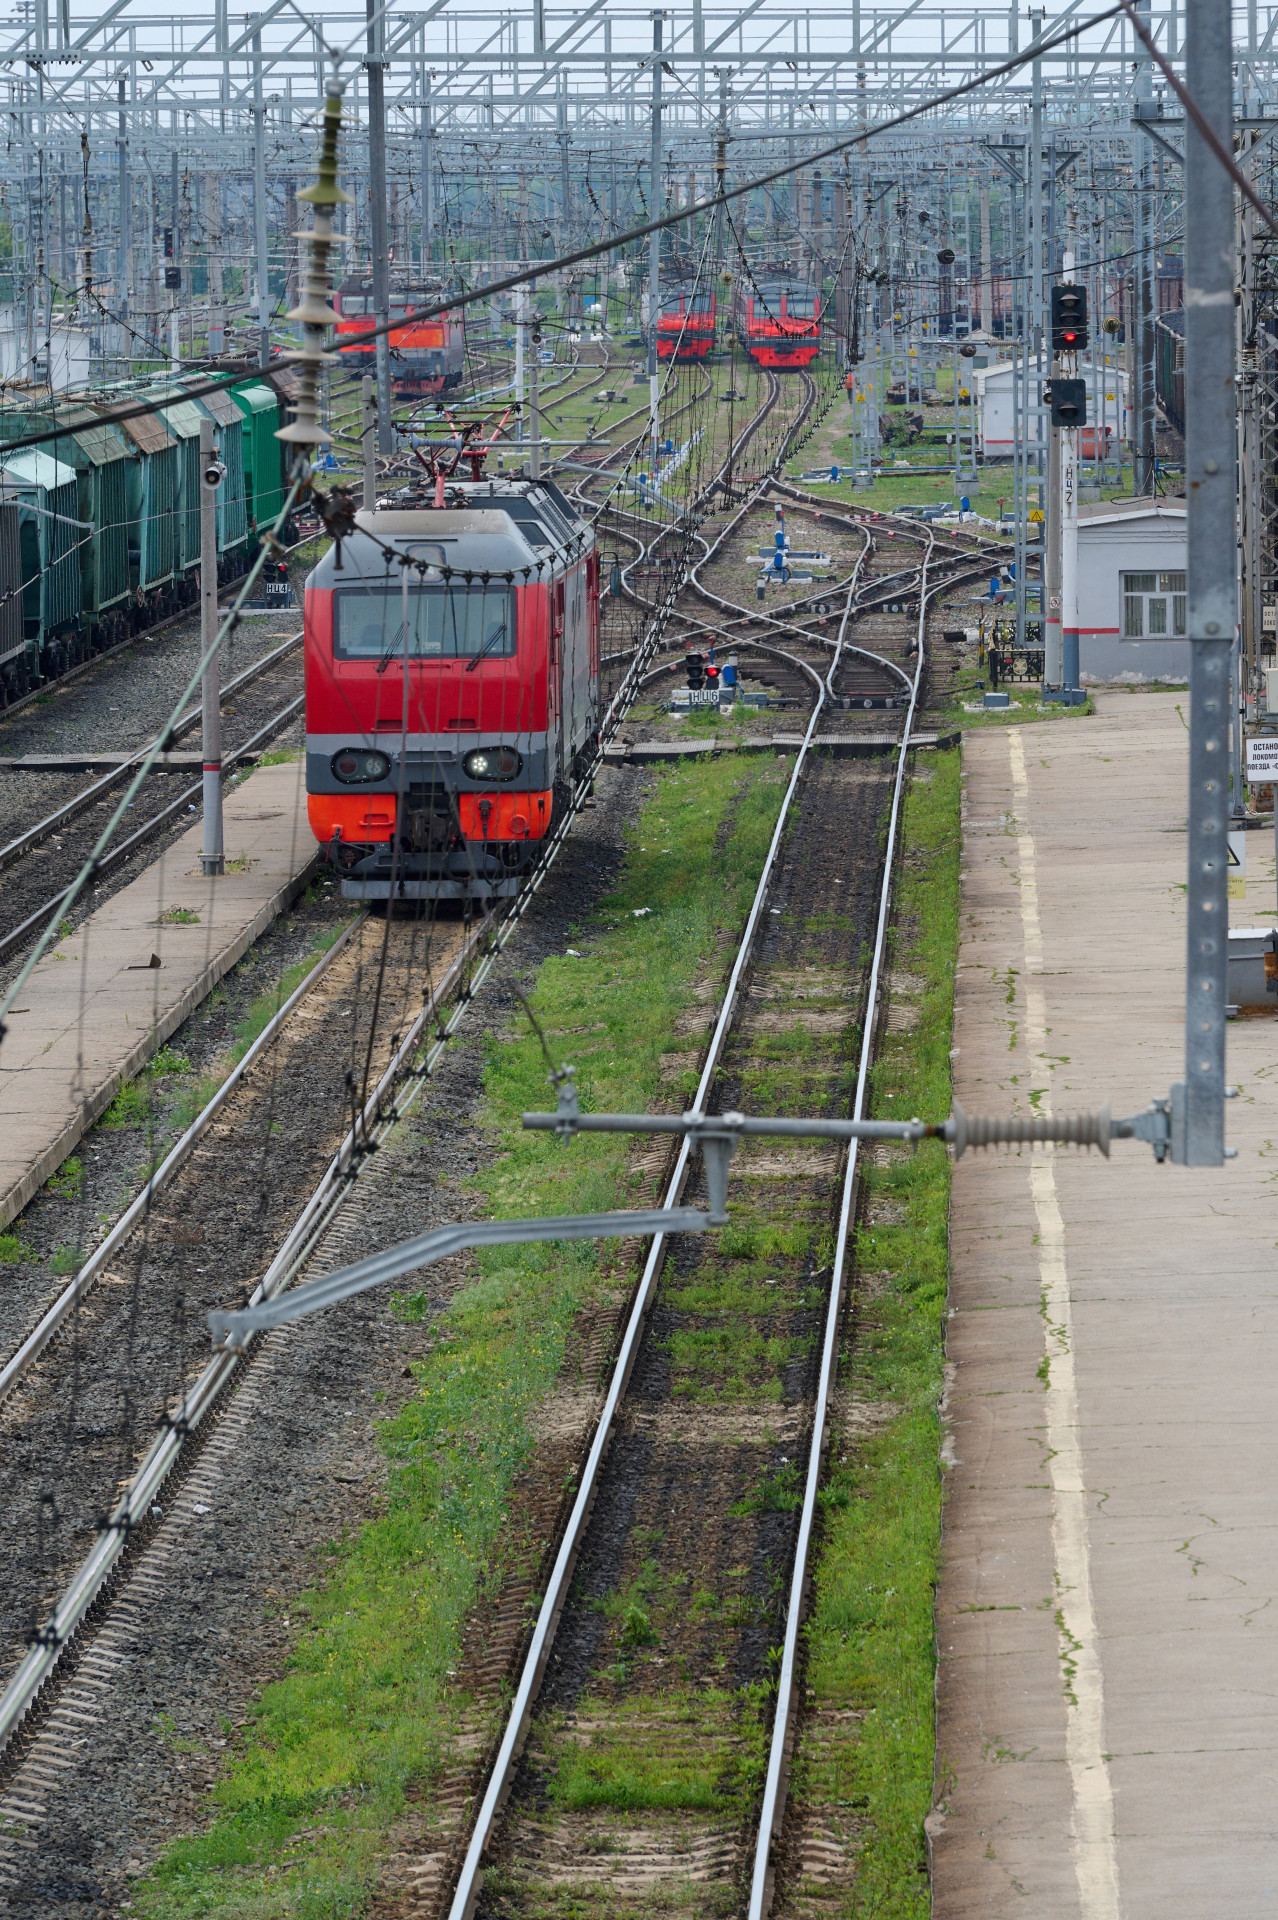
(445, 623)
(1154, 606)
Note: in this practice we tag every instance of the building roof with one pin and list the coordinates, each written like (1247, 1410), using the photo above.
(1002, 371)
(1111, 512)
(31, 468)
(148, 432)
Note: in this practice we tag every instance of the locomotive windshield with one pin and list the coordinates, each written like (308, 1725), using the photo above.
(445, 623)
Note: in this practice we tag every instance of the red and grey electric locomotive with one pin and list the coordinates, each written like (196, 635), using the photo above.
(778, 322)
(685, 326)
(452, 689)
(426, 356)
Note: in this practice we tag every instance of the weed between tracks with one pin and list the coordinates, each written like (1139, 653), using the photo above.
(365, 1709)
(871, 1660)
(140, 1100)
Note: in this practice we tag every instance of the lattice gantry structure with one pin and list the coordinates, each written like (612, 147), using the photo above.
(151, 162)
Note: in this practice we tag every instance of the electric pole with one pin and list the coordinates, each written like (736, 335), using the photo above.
(1211, 494)
(1144, 461)
(259, 208)
(654, 245)
(377, 220)
(211, 472)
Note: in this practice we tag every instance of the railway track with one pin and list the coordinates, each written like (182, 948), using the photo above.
(233, 1183)
(678, 1683)
(256, 1178)
(871, 675)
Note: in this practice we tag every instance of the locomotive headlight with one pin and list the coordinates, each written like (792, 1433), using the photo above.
(492, 763)
(359, 766)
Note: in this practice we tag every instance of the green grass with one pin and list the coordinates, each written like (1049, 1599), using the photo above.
(1024, 705)
(68, 1181)
(131, 1105)
(14, 1250)
(135, 1103)
(699, 1753)
(871, 1642)
(365, 1707)
(267, 1004)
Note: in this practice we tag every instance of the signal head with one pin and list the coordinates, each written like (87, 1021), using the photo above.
(1069, 319)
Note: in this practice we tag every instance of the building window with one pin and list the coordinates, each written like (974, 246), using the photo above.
(1153, 606)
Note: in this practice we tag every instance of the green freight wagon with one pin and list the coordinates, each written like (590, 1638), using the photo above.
(102, 459)
(51, 534)
(263, 465)
(232, 516)
(153, 515)
(14, 678)
(182, 417)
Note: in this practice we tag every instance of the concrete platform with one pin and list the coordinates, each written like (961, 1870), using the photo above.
(841, 745)
(95, 1009)
(1108, 1612)
(109, 762)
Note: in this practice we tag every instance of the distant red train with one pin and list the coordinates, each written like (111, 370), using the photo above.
(444, 789)
(426, 356)
(685, 327)
(779, 322)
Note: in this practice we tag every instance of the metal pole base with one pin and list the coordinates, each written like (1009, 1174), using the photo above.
(211, 864)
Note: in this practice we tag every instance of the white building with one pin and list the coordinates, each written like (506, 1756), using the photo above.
(64, 366)
(1131, 591)
(1106, 408)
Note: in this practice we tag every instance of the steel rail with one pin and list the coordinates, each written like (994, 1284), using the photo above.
(622, 451)
(511, 1745)
(793, 626)
(21, 1360)
(663, 611)
(810, 603)
(760, 646)
(642, 654)
(772, 1808)
(62, 816)
(115, 855)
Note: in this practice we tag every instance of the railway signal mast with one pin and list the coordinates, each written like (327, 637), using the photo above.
(654, 250)
(1068, 416)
